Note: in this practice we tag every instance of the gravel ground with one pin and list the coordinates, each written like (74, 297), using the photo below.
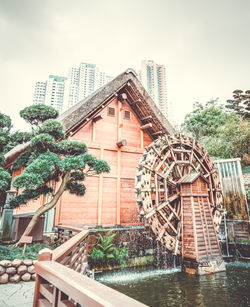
(17, 295)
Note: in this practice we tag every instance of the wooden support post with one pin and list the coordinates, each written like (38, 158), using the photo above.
(100, 192)
(118, 183)
(43, 255)
(118, 190)
(93, 131)
(142, 139)
(26, 240)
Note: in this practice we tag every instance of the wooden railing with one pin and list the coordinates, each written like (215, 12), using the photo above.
(60, 279)
(67, 232)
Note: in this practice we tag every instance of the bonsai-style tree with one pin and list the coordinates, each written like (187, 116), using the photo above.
(38, 113)
(53, 165)
(8, 140)
(240, 103)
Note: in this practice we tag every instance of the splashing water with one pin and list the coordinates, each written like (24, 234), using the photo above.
(123, 277)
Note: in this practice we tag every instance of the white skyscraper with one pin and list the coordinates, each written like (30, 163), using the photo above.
(153, 78)
(55, 92)
(71, 92)
(50, 92)
(40, 92)
(83, 81)
(62, 93)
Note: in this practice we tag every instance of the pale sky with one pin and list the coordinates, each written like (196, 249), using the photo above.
(204, 45)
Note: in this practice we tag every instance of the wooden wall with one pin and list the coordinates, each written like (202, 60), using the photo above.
(109, 198)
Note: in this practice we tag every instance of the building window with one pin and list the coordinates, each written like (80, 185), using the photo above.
(127, 114)
(111, 111)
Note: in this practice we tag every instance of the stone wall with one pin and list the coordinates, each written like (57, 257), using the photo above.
(136, 239)
(17, 270)
(141, 243)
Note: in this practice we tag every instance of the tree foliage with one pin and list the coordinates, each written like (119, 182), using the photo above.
(222, 132)
(205, 119)
(8, 140)
(38, 113)
(240, 103)
(5, 126)
(52, 165)
(230, 141)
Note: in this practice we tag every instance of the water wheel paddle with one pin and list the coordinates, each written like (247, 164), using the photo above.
(162, 166)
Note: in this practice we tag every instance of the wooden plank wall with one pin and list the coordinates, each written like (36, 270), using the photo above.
(109, 198)
(200, 240)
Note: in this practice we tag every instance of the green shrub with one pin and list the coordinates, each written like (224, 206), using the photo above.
(11, 253)
(97, 256)
(121, 256)
(106, 252)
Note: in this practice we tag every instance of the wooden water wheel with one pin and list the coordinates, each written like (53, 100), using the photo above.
(162, 166)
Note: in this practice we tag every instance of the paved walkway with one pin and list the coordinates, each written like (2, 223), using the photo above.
(17, 295)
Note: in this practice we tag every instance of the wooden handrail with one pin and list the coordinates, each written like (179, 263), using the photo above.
(83, 290)
(60, 252)
(60, 279)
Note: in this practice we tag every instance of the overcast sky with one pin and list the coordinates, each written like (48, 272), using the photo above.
(204, 45)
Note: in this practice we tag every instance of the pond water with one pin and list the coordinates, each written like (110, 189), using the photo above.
(171, 287)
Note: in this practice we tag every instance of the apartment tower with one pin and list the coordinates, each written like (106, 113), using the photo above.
(153, 78)
(62, 93)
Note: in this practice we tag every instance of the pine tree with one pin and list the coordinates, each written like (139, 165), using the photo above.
(50, 159)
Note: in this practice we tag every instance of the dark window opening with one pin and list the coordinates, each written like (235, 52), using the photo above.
(127, 114)
(111, 111)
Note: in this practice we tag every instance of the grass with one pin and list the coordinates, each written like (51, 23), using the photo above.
(11, 252)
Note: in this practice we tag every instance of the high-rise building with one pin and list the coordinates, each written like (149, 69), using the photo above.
(83, 81)
(55, 92)
(153, 78)
(50, 92)
(62, 93)
(71, 92)
(40, 92)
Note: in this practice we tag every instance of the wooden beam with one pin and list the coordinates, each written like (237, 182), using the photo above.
(172, 209)
(156, 191)
(157, 132)
(147, 117)
(146, 126)
(122, 96)
(135, 102)
(168, 221)
(98, 117)
(161, 163)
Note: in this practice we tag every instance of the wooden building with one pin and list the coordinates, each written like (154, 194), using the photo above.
(116, 122)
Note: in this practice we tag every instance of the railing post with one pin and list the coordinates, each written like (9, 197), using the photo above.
(43, 255)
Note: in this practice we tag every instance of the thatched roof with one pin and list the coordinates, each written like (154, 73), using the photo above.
(137, 97)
